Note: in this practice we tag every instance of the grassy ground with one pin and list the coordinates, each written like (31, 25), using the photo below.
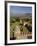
(16, 22)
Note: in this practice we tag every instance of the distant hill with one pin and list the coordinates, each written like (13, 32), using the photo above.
(25, 15)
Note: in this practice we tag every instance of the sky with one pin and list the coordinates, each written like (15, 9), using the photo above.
(20, 9)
